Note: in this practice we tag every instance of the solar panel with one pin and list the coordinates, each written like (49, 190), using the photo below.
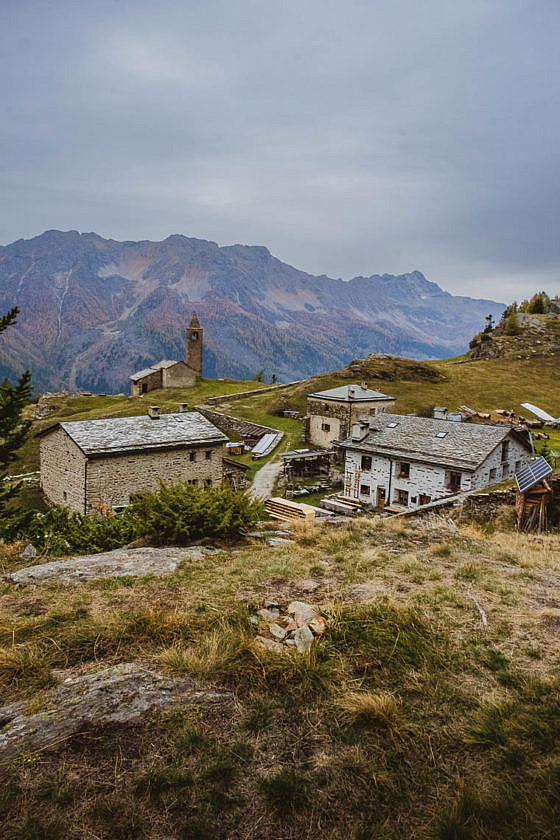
(532, 473)
(542, 415)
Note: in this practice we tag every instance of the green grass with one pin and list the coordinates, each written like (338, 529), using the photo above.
(406, 713)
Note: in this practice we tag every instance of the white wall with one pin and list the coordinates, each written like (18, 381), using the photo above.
(426, 479)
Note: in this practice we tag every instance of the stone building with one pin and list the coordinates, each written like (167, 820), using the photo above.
(97, 465)
(407, 461)
(331, 414)
(173, 374)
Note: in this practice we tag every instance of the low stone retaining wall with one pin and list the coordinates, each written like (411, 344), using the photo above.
(240, 395)
(242, 428)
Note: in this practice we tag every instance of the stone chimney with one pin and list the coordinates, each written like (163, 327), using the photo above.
(364, 385)
(352, 392)
(360, 430)
(153, 412)
(183, 407)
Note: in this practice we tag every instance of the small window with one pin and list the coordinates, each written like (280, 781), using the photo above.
(492, 473)
(413, 500)
(505, 450)
(208, 482)
(517, 466)
(366, 463)
(441, 434)
(402, 498)
(64, 495)
(193, 481)
(365, 490)
(392, 425)
(192, 456)
(144, 388)
(423, 499)
(194, 336)
(454, 481)
(326, 427)
(372, 412)
(404, 471)
(207, 454)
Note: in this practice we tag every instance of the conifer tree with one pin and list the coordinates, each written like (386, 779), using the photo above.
(13, 429)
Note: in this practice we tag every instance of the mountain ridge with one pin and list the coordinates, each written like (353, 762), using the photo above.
(93, 310)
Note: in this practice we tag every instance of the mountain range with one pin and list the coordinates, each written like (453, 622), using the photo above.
(94, 310)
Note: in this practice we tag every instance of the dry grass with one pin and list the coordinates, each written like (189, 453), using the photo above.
(365, 708)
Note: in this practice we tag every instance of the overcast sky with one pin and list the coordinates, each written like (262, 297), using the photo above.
(349, 137)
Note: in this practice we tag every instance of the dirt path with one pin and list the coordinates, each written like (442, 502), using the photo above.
(263, 483)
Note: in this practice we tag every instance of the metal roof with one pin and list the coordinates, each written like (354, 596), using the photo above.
(128, 434)
(464, 446)
(351, 393)
(532, 473)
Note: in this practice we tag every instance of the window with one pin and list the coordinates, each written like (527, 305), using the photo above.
(192, 456)
(505, 450)
(454, 481)
(207, 454)
(208, 482)
(517, 466)
(423, 499)
(493, 474)
(366, 462)
(326, 427)
(144, 388)
(194, 336)
(441, 434)
(192, 481)
(402, 498)
(365, 490)
(413, 500)
(404, 470)
(372, 412)
(392, 425)
(64, 495)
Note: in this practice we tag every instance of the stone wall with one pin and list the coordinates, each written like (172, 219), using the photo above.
(339, 416)
(235, 426)
(241, 395)
(63, 469)
(152, 381)
(112, 480)
(178, 376)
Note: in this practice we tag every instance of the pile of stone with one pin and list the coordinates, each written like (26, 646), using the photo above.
(295, 627)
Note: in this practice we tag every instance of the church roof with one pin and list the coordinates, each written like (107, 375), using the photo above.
(195, 323)
(116, 435)
(165, 363)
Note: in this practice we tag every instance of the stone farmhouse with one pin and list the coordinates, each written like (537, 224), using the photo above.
(331, 414)
(97, 465)
(406, 461)
(172, 374)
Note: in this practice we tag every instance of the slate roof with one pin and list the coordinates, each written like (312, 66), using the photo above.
(132, 434)
(165, 363)
(351, 393)
(465, 445)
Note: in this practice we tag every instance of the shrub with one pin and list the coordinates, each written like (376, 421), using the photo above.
(512, 325)
(182, 513)
(178, 514)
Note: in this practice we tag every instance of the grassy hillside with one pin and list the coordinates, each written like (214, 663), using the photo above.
(407, 719)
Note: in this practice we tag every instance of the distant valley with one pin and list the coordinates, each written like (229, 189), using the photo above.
(94, 310)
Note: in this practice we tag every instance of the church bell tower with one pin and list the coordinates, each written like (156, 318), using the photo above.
(194, 345)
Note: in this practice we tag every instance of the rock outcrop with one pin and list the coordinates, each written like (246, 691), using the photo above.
(122, 562)
(120, 694)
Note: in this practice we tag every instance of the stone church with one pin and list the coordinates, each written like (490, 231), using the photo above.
(171, 374)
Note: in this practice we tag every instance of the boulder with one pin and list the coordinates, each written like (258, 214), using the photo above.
(122, 693)
(121, 562)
